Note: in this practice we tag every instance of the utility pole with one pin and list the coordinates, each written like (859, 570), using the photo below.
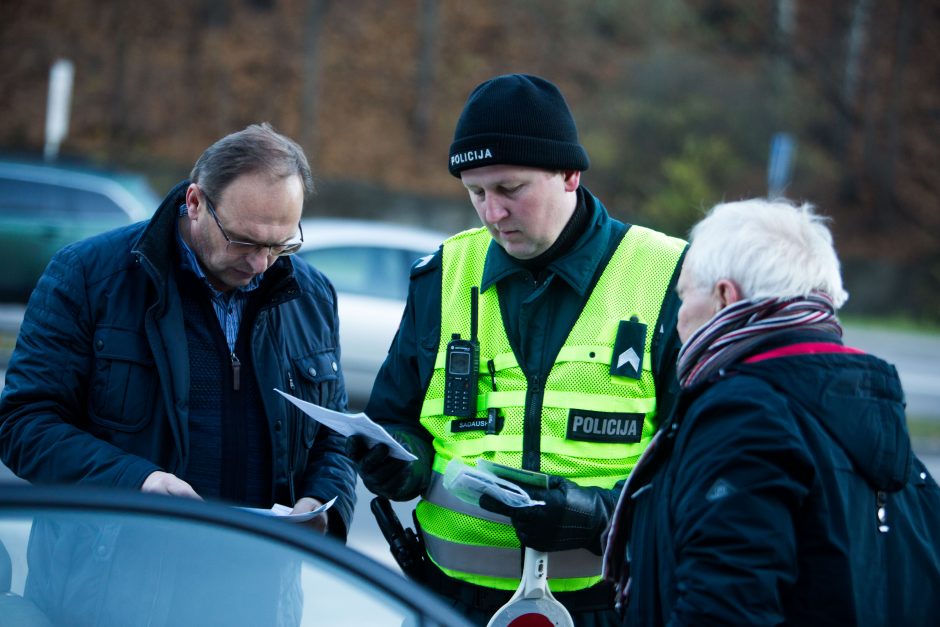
(58, 106)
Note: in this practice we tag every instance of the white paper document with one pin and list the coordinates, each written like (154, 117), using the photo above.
(351, 424)
(284, 511)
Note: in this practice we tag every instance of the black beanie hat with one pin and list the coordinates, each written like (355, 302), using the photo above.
(516, 119)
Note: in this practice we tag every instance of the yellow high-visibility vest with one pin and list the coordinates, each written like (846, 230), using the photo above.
(593, 424)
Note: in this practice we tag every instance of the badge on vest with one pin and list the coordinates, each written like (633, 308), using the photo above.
(628, 349)
(602, 426)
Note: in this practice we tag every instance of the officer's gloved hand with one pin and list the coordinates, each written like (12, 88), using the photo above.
(573, 517)
(388, 476)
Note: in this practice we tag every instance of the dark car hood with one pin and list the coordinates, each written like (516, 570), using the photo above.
(858, 400)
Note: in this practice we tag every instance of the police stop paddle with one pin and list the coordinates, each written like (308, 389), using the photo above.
(532, 605)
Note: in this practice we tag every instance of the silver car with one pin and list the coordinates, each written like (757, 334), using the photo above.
(369, 263)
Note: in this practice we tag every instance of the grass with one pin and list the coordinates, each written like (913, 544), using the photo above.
(892, 323)
(925, 434)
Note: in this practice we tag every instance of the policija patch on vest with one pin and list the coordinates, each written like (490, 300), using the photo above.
(628, 349)
(602, 426)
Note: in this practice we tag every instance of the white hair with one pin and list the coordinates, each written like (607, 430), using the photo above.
(768, 248)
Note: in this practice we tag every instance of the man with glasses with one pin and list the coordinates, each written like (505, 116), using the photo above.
(148, 356)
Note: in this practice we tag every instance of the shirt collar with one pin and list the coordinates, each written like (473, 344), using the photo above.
(576, 267)
(189, 262)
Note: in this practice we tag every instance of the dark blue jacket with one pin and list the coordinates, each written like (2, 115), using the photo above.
(97, 388)
(761, 504)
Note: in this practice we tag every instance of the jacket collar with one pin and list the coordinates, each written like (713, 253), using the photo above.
(157, 244)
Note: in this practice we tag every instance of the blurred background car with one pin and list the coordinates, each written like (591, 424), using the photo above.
(43, 207)
(173, 561)
(369, 263)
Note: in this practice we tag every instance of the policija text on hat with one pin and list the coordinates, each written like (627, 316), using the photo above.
(577, 344)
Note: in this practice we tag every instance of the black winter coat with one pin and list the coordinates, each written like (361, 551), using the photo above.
(761, 504)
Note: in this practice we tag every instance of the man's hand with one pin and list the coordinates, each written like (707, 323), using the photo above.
(572, 517)
(388, 476)
(159, 482)
(320, 522)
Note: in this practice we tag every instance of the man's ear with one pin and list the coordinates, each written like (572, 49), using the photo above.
(192, 200)
(572, 179)
(728, 292)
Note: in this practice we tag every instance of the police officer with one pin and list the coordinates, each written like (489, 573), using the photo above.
(576, 316)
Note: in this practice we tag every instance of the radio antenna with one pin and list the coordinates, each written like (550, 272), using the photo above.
(474, 310)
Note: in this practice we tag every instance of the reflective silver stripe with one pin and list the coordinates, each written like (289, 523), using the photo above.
(441, 496)
(489, 561)
(476, 560)
(574, 563)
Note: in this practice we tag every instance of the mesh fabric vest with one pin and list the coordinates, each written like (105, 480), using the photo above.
(469, 543)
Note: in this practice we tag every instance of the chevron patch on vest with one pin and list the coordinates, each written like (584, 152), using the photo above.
(628, 349)
(600, 426)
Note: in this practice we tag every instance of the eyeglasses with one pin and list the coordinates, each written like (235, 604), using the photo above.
(247, 248)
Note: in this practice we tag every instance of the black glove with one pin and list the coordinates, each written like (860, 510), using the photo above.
(572, 517)
(388, 476)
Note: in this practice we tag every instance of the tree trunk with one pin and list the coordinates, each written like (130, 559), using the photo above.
(855, 49)
(310, 88)
(429, 26)
(886, 198)
(118, 101)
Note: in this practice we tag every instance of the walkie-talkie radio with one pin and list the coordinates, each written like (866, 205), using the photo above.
(462, 368)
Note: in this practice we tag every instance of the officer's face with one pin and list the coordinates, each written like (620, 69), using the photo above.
(253, 208)
(524, 209)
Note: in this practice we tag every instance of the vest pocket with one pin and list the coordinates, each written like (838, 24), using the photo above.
(123, 381)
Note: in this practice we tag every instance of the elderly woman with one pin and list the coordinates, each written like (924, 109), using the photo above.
(783, 489)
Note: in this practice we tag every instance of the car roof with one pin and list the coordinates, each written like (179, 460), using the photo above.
(128, 190)
(321, 232)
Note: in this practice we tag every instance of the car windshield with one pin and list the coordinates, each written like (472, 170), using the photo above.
(110, 561)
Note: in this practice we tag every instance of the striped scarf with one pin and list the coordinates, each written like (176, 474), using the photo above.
(732, 332)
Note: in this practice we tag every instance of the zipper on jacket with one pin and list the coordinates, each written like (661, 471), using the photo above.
(236, 372)
(291, 444)
(532, 426)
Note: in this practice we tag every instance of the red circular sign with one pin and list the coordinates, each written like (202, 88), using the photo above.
(531, 620)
